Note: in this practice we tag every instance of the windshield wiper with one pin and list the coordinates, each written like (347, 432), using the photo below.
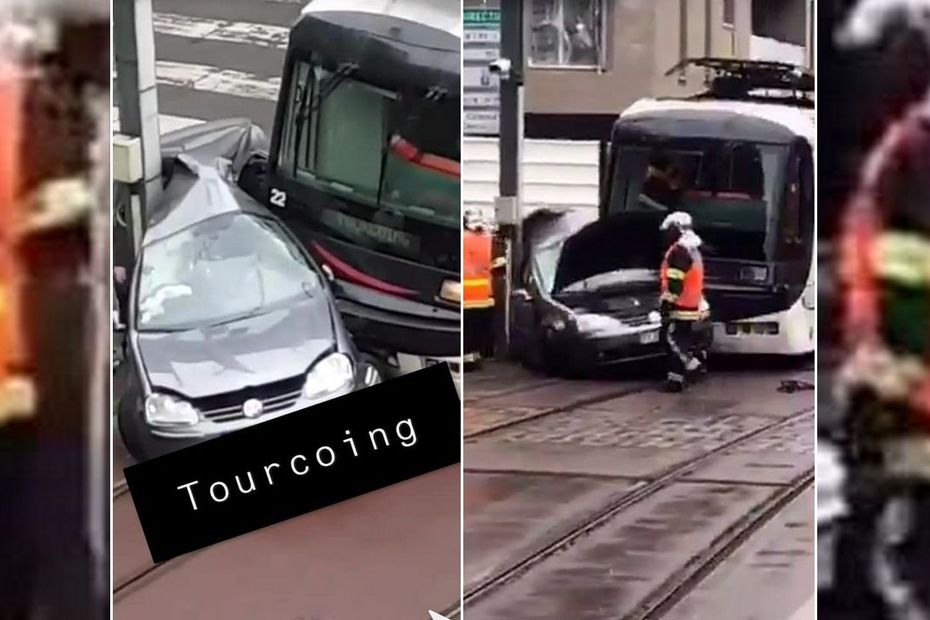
(435, 94)
(327, 87)
(164, 330)
(240, 317)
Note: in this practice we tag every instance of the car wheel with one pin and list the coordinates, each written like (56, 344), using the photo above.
(556, 363)
(129, 439)
(140, 445)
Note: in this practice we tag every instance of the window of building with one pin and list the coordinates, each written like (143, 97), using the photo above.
(729, 12)
(567, 33)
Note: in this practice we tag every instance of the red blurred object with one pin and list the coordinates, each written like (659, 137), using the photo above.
(11, 217)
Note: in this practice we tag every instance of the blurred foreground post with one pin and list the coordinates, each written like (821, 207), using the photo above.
(56, 252)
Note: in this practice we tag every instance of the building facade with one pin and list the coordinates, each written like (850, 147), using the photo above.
(587, 60)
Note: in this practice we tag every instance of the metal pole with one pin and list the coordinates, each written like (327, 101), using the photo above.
(511, 151)
(134, 50)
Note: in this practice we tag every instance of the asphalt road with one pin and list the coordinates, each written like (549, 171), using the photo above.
(610, 499)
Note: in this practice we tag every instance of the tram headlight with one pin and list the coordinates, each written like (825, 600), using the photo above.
(753, 273)
(451, 291)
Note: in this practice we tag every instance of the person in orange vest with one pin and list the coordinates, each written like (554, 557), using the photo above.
(478, 302)
(883, 382)
(682, 301)
(884, 273)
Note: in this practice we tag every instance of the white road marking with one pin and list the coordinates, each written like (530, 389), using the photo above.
(215, 80)
(206, 78)
(248, 33)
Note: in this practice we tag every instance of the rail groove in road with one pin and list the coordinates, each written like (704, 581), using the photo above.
(574, 475)
(145, 566)
(581, 402)
(605, 513)
(149, 571)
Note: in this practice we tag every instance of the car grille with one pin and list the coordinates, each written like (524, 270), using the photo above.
(633, 311)
(228, 407)
(635, 321)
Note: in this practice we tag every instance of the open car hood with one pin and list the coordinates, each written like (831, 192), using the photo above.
(624, 241)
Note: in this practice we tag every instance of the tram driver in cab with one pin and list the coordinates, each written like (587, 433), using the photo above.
(662, 188)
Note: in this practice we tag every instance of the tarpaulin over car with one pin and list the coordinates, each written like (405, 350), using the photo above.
(227, 144)
(202, 164)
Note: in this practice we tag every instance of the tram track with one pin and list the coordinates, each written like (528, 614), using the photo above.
(689, 576)
(660, 599)
(144, 567)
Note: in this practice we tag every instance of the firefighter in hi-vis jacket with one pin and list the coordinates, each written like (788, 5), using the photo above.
(884, 270)
(683, 306)
(478, 303)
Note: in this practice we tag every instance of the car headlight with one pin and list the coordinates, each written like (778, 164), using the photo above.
(596, 323)
(164, 410)
(330, 376)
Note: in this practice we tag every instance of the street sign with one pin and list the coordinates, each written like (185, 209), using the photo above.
(481, 104)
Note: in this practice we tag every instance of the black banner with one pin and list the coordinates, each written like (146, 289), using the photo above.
(297, 463)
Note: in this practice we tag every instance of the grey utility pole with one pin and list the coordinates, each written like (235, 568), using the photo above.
(134, 49)
(509, 212)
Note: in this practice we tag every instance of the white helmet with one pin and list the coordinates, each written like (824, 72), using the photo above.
(870, 19)
(679, 220)
(473, 220)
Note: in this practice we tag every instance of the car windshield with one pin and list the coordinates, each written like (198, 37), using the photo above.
(220, 270)
(730, 188)
(396, 151)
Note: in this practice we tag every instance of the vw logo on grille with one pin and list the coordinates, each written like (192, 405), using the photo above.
(252, 408)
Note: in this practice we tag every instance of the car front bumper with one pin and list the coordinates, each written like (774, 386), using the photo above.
(590, 350)
(145, 441)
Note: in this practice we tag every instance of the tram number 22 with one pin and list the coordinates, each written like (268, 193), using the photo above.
(278, 198)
